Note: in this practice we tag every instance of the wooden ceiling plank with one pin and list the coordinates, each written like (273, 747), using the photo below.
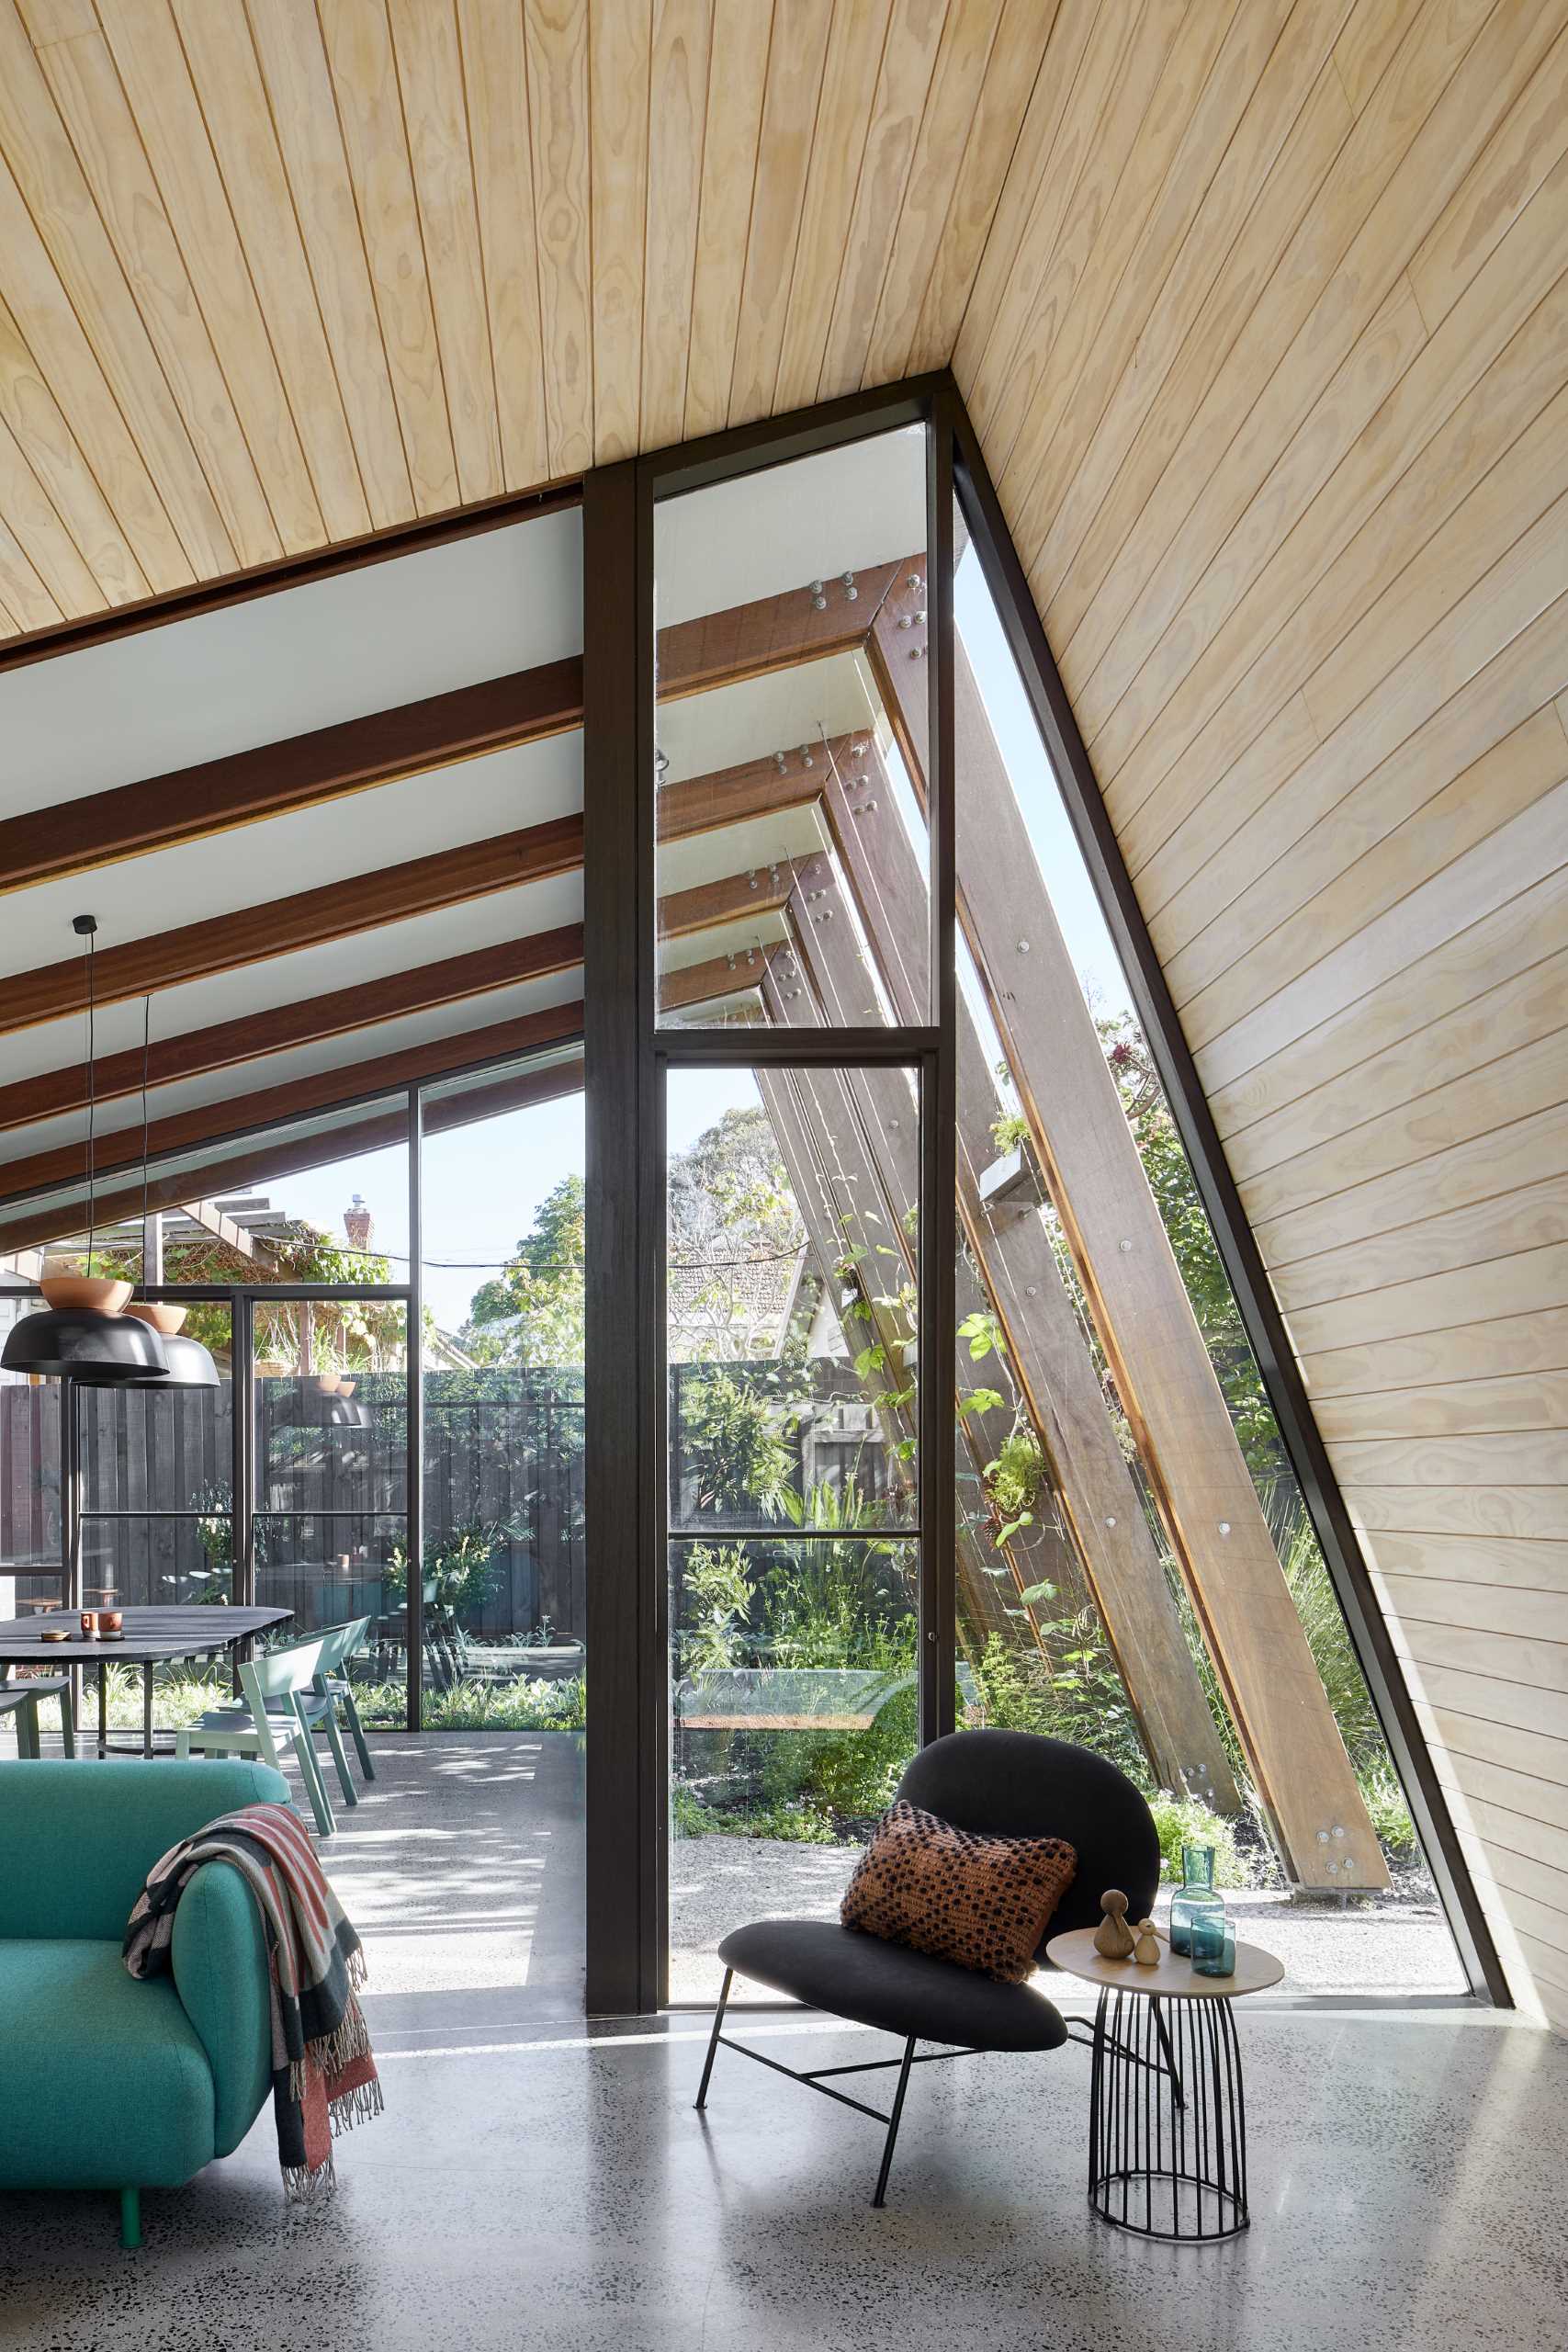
(429, 61)
(1367, 381)
(556, 48)
(294, 1098)
(738, 67)
(856, 45)
(48, 174)
(370, 105)
(336, 910)
(78, 442)
(91, 104)
(961, 66)
(677, 123)
(266, 1159)
(1007, 93)
(909, 64)
(619, 66)
(1087, 43)
(1205, 91)
(495, 73)
(142, 40)
(229, 114)
(27, 598)
(1268, 182)
(37, 451)
(1027, 163)
(334, 1013)
(1500, 421)
(1133, 124)
(1499, 186)
(266, 96)
(240, 788)
(796, 60)
(1411, 146)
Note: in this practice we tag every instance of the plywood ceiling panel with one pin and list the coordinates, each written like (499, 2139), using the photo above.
(273, 274)
(1279, 426)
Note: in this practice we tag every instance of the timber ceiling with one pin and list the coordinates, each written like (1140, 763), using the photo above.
(1259, 309)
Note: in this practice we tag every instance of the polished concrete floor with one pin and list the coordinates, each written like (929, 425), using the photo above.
(534, 2183)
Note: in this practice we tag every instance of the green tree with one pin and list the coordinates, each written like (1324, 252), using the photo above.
(532, 1313)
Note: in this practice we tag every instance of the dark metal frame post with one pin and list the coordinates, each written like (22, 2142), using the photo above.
(413, 1476)
(1222, 1202)
(625, 1843)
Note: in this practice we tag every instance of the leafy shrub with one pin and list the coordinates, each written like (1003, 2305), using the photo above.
(523, 1705)
(1066, 1689)
(1187, 1821)
(1384, 1801)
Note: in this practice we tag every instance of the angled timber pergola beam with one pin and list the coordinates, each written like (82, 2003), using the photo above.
(1134, 1289)
(772, 633)
(1045, 1344)
(295, 1098)
(211, 1220)
(332, 1013)
(762, 788)
(887, 1118)
(243, 1161)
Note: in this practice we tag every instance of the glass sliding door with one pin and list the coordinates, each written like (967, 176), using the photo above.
(794, 1510)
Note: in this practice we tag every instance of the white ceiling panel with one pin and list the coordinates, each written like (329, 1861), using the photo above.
(282, 664)
(524, 785)
(756, 716)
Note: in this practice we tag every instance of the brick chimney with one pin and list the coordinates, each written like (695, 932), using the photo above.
(359, 1223)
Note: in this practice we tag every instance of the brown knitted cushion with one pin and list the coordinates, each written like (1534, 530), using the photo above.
(983, 1902)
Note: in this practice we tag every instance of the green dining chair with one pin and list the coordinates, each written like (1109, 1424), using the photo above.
(22, 1700)
(333, 1689)
(270, 1715)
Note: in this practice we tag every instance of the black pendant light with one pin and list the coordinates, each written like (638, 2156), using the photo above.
(189, 1363)
(73, 1339)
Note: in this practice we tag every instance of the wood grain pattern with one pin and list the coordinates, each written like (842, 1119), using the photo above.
(1302, 553)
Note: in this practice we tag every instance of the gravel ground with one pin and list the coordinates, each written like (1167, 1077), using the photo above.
(1397, 1946)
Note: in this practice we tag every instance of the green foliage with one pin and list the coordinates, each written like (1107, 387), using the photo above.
(1384, 1801)
(731, 1443)
(1010, 1132)
(1068, 1688)
(462, 1559)
(1187, 1821)
(1014, 1479)
(179, 1698)
(532, 1313)
(528, 1704)
(792, 1824)
(716, 1592)
(732, 1217)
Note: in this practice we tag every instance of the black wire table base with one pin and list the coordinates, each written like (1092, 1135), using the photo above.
(1168, 2122)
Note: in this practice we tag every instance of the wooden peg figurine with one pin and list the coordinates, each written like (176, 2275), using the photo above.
(1146, 1951)
(1113, 1938)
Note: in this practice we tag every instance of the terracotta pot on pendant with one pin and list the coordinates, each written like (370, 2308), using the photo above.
(100, 1293)
(165, 1318)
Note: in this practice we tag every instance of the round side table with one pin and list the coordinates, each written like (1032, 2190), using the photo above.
(1167, 2118)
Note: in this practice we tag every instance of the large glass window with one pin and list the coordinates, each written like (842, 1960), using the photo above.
(781, 600)
(793, 1492)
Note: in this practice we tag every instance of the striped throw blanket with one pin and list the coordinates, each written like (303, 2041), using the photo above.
(324, 2076)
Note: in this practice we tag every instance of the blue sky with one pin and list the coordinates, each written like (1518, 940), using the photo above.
(482, 1185)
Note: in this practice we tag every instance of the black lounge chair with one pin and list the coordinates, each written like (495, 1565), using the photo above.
(1000, 1784)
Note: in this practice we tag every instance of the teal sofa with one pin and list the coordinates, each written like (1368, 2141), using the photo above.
(105, 2082)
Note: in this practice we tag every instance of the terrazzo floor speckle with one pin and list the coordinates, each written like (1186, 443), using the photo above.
(534, 2182)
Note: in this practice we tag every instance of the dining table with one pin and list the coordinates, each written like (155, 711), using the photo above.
(150, 1637)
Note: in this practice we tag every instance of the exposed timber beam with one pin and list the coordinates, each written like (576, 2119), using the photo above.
(276, 779)
(335, 1012)
(715, 977)
(261, 1158)
(771, 634)
(730, 900)
(761, 787)
(353, 755)
(1168, 1387)
(1047, 1351)
(295, 1098)
(336, 910)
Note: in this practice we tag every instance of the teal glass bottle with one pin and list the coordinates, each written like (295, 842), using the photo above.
(1212, 1940)
(1195, 1897)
